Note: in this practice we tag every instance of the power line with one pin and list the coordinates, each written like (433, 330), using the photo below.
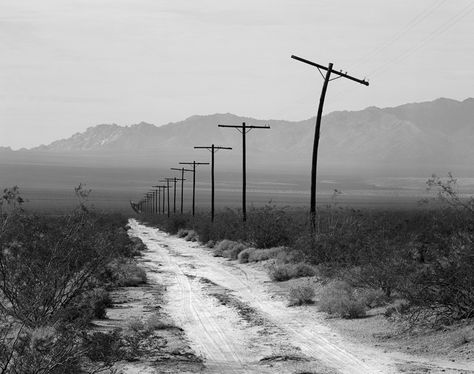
(213, 149)
(329, 70)
(244, 129)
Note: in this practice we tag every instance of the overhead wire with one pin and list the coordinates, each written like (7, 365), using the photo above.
(441, 29)
(413, 22)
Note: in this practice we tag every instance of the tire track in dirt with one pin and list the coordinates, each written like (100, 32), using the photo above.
(224, 342)
(223, 345)
(215, 338)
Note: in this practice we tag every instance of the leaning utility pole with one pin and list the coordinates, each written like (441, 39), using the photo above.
(182, 184)
(327, 79)
(194, 163)
(244, 129)
(213, 149)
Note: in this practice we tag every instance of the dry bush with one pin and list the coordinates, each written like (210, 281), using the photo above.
(228, 248)
(130, 275)
(302, 270)
(191, 236)
(182, 233)
(233, 252)
(268, 227)
(41, 350)
(338, 298)
(284, 272)
(266, 254)
(301, 294)
(280, 273)
(373, 298)
(244, 255)
(46, 263)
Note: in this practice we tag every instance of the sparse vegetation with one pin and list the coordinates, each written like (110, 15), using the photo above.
(283, 272)
(340, 299)
(301, 294)
(55, 275)
(228, 248)
(422, 257)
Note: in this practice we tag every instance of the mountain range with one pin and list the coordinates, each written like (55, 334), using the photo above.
(416, 138)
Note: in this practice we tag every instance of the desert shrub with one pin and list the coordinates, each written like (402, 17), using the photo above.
(280, 273)
(265, 254)
(100, 300)
(302, 270)
(88, 306)
(233, 251)
(221, 246)
(135, 247)
(338, 298)
(373, 298)
(210, 244)
(283, 272)
(244, 255)
(287, 255)
(47, 262)
(191, 236)
(182, 233)
(227, 225)
(157, 322)
(268, 227)
(41, 350)
(174, 223)
(301, 294)
(104, 347)
(129, 274)
(228, 248)
(442, 287)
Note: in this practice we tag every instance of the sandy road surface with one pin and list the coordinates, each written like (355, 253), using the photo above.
(239, 325)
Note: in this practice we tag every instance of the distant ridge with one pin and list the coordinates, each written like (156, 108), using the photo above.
(414, 136)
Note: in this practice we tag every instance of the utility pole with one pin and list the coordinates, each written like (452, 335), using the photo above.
(244, 129)
(327, 78)
(182, 184)
(194, 163)
(174, 179)
(149, 201)
(167, 180)
(153, 201)
(163, 199)
(158, 198)
(213, 149)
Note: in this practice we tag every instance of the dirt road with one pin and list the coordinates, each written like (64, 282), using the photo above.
(235, 319)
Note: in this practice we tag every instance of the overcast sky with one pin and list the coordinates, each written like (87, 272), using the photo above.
(66, 65)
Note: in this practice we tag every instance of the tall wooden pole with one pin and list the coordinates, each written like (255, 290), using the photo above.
(317, 132)
(327, 78)
(213, 149)
(174, 193)
(182, 189)
(168, 194)
(163, 200)
(194, 163)
(244, 128)
(244, 173)
(167, 187)
(158, 199)
(182, 170)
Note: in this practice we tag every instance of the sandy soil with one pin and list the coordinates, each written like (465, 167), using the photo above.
(238, 321)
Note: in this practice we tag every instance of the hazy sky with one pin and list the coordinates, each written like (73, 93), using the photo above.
(66, 65)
